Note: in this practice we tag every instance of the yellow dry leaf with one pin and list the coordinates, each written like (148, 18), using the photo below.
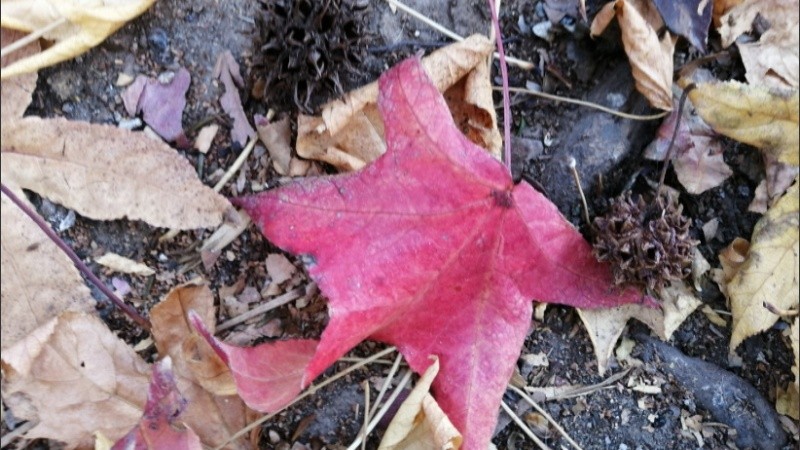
(650, 59)
(122, 264)
(105, 173)
(348, 133)
(771, 271)
(420, 424)
(74, 25)
(759, 116)
(75, 378)
(605, 325)
(214, 410)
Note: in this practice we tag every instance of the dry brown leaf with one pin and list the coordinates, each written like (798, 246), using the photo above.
(277, 137)
(720, 8)
(779, 177)
(81, 26)
(771, 271)
(227, 71)
(106, 173)
(122, 264)
(420, 424)
(39, 281)
(213, 410)
(605, 325)
(348, 133)
(18, 91)
(774, 59)
(762, 117)
(75, 378)
(650, 59)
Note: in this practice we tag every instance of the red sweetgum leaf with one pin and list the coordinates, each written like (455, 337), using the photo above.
(432, 248)
(159, 427)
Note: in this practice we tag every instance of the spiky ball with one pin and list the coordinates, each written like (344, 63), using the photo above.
(305, 46)
(647, 243)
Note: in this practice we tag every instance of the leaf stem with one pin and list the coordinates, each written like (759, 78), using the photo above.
(504, 75)
(668, 156)
(82, 267)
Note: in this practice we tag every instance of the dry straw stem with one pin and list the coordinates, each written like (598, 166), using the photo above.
(382, 412)
(308, 392)
(558, 98)
(541, 411)
(261, 309)
(526, 65)
(524, 427)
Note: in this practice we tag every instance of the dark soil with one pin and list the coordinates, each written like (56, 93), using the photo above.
(608, 151)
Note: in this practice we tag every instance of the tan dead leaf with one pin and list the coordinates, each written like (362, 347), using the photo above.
(605, 325)
(774, 59)
(74, 25)
(348, 133)
(75, 378)
(39, 281)
(762, 117)
(650, 59)
(720, 8)
(18, 91)
(420, 424)
(104, 172)
(122, 264)
(771, 271)
(213, 410)
(277, 137)
(788, 400)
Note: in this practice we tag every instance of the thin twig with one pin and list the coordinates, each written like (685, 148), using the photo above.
(386, 383)
(573, 167)
(504, 75)
(526, 65)
(541, 411)
(574, 101)
(668, 157)
(366, 416)
(308, 392)
(19, 43)
(524, 427)
(82, 267)
(261, 309)
(384, 409)
(16, 433)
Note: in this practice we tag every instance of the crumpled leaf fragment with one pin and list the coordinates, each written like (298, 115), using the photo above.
(774, 59)
(122, 264)
(688, 18)
(606, 325)
(779, 177)
(650, 59)
(419, 423)
(276, 136)
(456, 251)
(106, 173)
(348, 133)
(17, 92)
(99, 381)
(161, 104)
(788, 400)
(82, 25)
(771, 271)
(764, 118)
(227, 71)
(160, 427)
(696, 154)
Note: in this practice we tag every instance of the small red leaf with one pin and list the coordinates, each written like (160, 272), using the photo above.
(433, 248)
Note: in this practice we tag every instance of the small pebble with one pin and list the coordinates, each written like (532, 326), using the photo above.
(166, 77)
(130, 124)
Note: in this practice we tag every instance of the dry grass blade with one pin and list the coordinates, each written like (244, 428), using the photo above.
(574, 101)
(382, 412)
(562, 392)
(546, 415)
(525, 429)
(261, 309)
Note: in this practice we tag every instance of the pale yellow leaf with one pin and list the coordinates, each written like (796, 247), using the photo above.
(122, 264)
(39, 281)
(348, 133)
(420, 424)
(787, 401)
(75, 378)
(771, 271)
(214, 410)
(762, 117)
(605, 325)
(74, 25)
(650, 59)
(106, 173)
(602, 19)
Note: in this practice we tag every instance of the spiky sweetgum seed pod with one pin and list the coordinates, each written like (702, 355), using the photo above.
(304, 46)
(647, 243)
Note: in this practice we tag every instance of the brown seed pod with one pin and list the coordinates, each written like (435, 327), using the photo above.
(304, 47)
(647, 243)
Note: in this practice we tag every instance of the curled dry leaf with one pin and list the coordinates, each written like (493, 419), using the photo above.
(771, 271)
(774, 59)
(420, 423)
(161, 104)
(213, 410)
(227, 71)
(650, 59)
(80, 26)
(349, 133)
(75, 378)
(606, 325)
(122, 264)
(277, 137)
(762, 117)
(160, 426)
(107, 173)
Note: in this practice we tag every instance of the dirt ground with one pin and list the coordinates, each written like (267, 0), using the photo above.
(177, 34)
